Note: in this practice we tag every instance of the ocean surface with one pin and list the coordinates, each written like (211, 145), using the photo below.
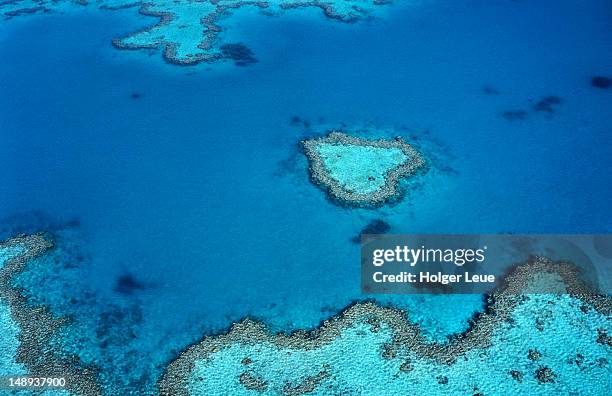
(181, 202)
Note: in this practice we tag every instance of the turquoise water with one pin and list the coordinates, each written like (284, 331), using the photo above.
(9, 343)
(351, 166)
(8, 329)
(9, 252)
(190, 182)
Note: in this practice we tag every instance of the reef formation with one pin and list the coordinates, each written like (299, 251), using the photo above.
(525, 342)
(544, 331)
(28, 332)
(360, 172)
(191, 31)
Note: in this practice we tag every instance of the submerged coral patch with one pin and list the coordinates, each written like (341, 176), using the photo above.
(490, 90)
(547, 103)
(376, 226)
(389, 355)
(601, 82)
(358, 171)
(514, 115)
(128, 284)
(239, 53)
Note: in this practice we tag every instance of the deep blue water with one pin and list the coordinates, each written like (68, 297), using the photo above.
(197, 187)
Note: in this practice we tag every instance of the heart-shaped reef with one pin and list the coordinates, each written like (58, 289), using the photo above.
(360, 172)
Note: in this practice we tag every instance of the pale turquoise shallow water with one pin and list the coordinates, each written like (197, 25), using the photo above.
(8, 329)
(351, 166)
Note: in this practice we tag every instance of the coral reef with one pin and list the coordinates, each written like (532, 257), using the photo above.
(360, 172)
(188, 31)
(36, 327)
(388, 354)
